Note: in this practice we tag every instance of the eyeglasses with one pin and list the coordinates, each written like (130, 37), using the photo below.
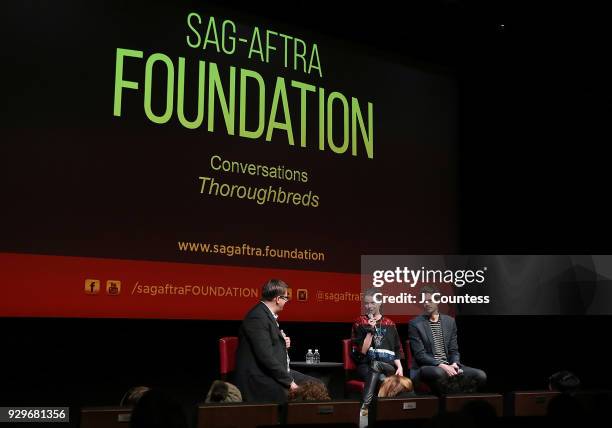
(285, 298)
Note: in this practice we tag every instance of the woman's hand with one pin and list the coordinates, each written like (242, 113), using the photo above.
(400, 370)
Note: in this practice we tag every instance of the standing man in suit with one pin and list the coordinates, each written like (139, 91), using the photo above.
(262, 362)
(433, 342)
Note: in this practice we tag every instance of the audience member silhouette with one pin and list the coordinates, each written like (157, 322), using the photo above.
(132, 395)
(310, 391)
(223, 392)
(157, 409)
(564, 381)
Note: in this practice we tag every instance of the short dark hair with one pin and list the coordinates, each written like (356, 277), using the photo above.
(564, 381)
(429, 289)
(273, 288)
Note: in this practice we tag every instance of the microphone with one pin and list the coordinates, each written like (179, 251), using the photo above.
(370, 318)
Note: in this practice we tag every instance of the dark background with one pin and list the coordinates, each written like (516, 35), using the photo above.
(534, 108)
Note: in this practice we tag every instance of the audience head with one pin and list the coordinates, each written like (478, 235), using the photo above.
(132, 395)
(564, 381)
(223, 392)
(157, 409)
(394, 385)
(310, 391)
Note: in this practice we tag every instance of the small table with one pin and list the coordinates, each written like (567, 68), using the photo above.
(330, 373)
(321, 365)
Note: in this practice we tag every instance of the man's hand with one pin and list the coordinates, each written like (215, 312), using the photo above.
(287, 339)
(450, 370)
(293, 386)
(399, 371)
(455, 366)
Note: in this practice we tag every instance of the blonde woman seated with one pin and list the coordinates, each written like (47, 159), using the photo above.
(396, 386)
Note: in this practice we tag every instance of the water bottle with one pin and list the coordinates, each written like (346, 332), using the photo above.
(309, 357)
(317, 356)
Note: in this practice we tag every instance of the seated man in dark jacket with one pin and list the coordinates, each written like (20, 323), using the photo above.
(433, 342)
(262, 362)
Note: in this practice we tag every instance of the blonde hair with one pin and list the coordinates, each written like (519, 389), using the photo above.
(394, 385)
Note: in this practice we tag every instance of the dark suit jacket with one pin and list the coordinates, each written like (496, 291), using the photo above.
(261, 359)
(421, 341)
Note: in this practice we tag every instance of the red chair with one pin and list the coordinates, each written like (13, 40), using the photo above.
(356, 385)
(408, 356)
(350, 385)
(227, 355)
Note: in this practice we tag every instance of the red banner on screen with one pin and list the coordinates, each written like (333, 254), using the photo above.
(61, 286)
